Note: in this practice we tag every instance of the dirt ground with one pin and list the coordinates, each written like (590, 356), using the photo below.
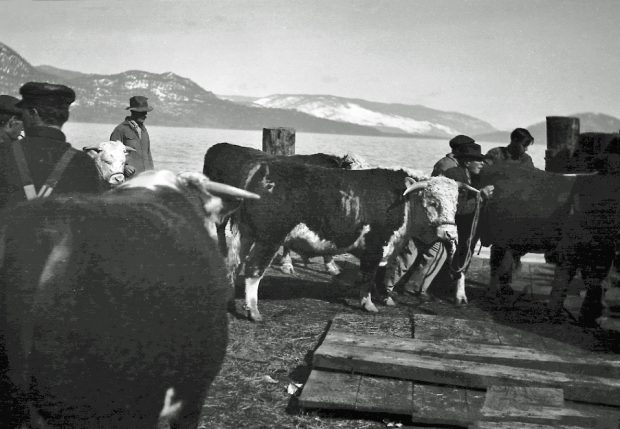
(264, 359)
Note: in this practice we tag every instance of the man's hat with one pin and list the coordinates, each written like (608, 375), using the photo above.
(7, 106)
(138, 103)
(44, 93)
(461, 140)
(469, 152)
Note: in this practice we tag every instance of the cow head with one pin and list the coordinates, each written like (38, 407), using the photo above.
(211, 199)
(433, 204)
(110, 160)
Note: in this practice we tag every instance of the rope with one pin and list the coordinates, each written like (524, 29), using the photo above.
(472, 233)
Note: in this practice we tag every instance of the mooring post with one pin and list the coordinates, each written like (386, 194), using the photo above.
(279, 141)
(562, 140)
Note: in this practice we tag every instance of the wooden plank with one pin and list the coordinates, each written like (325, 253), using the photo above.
(445, 405)
(520, 425)
(432, 404)
(476, 375)
(484, 331)
(486, 353)
(532, 405)
(331, 390)
(385, 395)
(427, 327)
(369, 324)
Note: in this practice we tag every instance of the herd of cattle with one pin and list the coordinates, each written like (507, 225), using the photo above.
(113, 307)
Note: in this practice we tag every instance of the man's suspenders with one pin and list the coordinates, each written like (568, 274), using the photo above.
(26, 178)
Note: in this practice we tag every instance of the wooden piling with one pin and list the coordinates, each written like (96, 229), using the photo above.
(279, 141)
(562, 141)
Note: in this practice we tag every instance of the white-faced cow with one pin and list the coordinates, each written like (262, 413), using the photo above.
(113, 307)
(369, 213)
(575, 219)
(110, 158)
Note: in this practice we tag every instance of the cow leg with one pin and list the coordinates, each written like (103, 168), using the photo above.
(287, 261)
(331, 266)
(593, 275)
(562, 276)
(501, 266)
(258, 260)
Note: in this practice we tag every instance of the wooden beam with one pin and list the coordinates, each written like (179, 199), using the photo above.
(476, 375)
(279, 141)
(522, 357)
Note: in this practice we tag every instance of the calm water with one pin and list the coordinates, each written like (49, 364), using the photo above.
(183, 149)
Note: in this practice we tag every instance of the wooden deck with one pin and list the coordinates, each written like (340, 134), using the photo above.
(461, 372)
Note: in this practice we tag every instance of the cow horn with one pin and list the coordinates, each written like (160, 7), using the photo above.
(414, 187)
(223, 189)
(468, 187)
(129, 148)
(95, 148)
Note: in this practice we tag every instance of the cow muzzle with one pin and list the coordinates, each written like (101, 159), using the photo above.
(448, 233)
(116, 179)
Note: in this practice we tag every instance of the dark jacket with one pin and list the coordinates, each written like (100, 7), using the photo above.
(502, 154)
(43, 147)
(141, 159)
(444, 164)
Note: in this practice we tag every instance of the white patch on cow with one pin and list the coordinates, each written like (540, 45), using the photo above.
(251, 298)
(252, 173)
(171, 407)
(152, 179)
(351, 205)
(332, 268)
(461, 297)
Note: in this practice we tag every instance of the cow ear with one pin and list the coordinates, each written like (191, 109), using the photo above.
(91, 151)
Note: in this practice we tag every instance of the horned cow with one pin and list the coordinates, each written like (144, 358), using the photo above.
(113, 307)
(369, 213)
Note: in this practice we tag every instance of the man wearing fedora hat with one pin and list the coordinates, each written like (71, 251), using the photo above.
(133, 133)
(43, 161)
(10, 119)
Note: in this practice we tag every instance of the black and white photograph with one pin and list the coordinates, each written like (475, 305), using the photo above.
(356, 214)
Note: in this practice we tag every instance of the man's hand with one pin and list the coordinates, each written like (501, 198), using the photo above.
(487, 192)
(129, 170)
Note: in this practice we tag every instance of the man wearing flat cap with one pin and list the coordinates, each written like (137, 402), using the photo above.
(133, 133)
(43, 162)
(10, 119)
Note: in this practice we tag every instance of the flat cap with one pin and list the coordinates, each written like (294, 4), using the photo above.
(461, 140)
(44, 93)
(7, 105)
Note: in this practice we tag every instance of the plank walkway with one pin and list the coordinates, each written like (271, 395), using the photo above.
(446, 371)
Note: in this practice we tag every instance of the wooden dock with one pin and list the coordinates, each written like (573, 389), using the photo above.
(469, 373)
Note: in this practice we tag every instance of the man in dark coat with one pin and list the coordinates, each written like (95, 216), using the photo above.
(10, 119)
(43, 161)
(132, 132)
(515, 152)
(450, 161)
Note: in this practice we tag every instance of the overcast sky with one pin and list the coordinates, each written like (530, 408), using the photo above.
(510, 63)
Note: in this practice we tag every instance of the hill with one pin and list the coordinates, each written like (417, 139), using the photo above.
(178, 101)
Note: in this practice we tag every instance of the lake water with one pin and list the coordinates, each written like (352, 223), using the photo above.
(183, 149)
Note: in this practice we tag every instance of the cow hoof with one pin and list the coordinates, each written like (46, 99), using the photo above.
(287, 269)
(389, 302)
(369, 306)
(254, 315)
(461, 300)
(424, 297)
